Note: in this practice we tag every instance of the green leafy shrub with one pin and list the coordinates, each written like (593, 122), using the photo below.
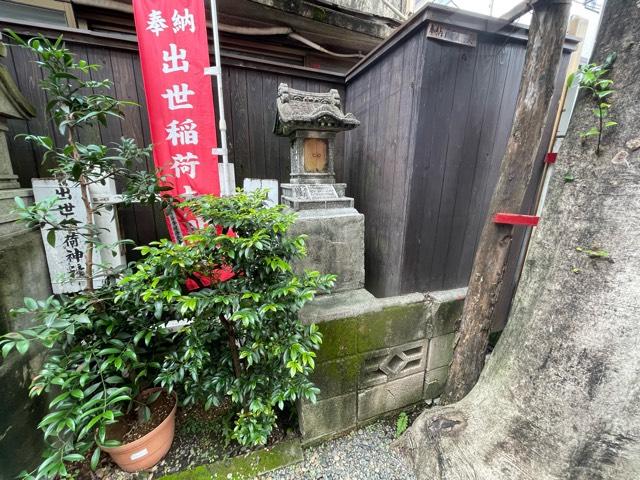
(97, 354)
(244, 342)
(591, 79)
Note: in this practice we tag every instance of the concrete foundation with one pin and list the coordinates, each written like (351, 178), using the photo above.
(335, 244)
(378, 356)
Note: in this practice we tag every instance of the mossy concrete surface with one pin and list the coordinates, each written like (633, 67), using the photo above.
(247, 466)
(377, 356)
(24, 274)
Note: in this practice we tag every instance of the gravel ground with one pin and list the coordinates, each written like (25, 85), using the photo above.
(363, 454)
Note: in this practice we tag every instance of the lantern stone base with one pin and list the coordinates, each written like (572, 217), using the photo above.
(301, 196)
(335, 244)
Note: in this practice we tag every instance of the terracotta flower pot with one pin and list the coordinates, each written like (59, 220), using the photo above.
(146, 451)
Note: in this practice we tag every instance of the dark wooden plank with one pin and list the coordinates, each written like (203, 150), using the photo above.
(481, 127)
(479, 201)
(453, 163)
(271, 141)
(28, 76)
(413, 56)
(241, 138)
(21, 152)
(431, 94)
(255, 113)
(438, 125)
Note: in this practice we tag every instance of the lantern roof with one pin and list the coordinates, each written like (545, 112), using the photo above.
(300, 110)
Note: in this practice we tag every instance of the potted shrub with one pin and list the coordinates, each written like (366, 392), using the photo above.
(232, 285)
(98, 355)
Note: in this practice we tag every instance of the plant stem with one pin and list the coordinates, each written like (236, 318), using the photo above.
(84, 192)
(233, 347)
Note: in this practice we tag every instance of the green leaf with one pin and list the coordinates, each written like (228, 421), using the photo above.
(22, 346)
(51, 237)
(95, 458)
(6, 348)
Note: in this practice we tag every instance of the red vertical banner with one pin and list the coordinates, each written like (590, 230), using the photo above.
(174, 52)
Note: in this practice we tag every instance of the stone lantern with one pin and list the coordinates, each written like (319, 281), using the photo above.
(311, 121)
(334, 229)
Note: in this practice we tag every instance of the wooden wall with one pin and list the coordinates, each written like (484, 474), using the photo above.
(250, 93)
(436, 118)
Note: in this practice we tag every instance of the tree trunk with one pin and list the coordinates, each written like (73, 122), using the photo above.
(560, 396)
(546, 37)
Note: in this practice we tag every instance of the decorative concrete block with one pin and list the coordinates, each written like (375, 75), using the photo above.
(339, 339)
(445, 310)
(393, 325)
(434, 382)
(327, 417)
(335, 244)
(440, 351)
(381, 366)
(390, 396)
(337, 377)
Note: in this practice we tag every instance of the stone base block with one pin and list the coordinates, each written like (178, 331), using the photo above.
(446, 310)
(434, 382)
(440, 351)
(327, 417)
(390, 396)
(335, 244)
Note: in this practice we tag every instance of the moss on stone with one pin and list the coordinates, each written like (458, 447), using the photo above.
(391, 326)
(338, 338)
(247, 466)
(337, 377)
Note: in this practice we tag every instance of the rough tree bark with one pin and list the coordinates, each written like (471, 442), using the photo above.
(546, 37)
(560, 396)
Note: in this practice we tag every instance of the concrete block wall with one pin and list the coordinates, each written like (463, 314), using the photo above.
(378, 356)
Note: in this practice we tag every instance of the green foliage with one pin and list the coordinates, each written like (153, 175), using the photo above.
(98, 355)
(402, 422)
(596, 253)
(95, 364)
(75, 104)
(591, 79)
(244, 341)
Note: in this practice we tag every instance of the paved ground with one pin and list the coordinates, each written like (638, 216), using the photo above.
(362, 455)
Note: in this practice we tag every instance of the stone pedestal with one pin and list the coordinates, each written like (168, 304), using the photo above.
(335, 244)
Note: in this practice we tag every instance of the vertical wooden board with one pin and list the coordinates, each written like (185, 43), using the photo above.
(255, 106)
(453, 162)
(284, 156)
(433, 98)
(124, 70)
(440, 125)
(477, 210)
(21, 152)
(388, 228)
(112, 132)
(271, 141)
(472, 128)
(408, 97)
(160, 225)
(238, 112)
(368, 180)
(28, 76)
(226, 97)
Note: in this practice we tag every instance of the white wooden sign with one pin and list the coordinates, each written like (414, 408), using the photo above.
(252, 184)
(451, 34)
(66, 260)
